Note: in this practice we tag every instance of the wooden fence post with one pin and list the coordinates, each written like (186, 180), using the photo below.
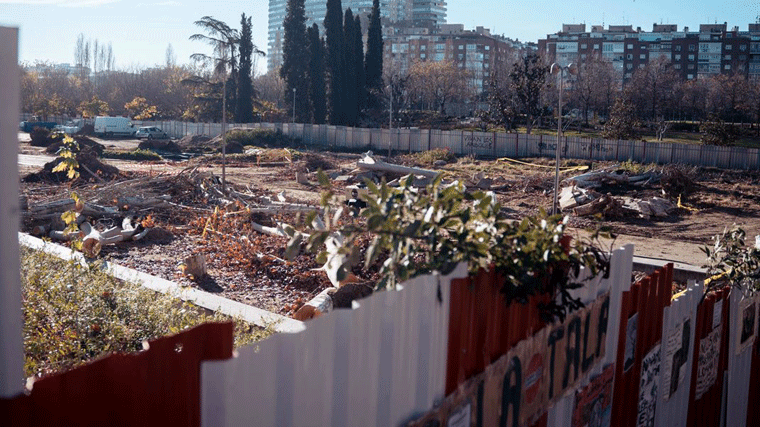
(11, 358)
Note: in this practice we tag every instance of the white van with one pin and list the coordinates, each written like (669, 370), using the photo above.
(113, 126)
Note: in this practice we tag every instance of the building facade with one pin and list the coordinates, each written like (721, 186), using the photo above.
(406, 13)
(476, 50)
(712, 50)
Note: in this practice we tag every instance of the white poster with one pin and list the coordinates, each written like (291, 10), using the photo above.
(747, 325)
(676, 349)
(650, 374)
(707, 366)
(717, 313)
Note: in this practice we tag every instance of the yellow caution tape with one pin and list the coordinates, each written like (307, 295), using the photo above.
(688, 208)
(568, 168)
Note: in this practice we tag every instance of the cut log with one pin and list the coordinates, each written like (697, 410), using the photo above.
(320, 304)
(272, 231)
(606, 205)
(194, 266)
(369, 163)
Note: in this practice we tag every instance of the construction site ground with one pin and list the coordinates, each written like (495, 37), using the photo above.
(248, 266)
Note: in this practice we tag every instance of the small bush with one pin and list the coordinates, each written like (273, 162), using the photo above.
(715, 131)
(138, 154)
(73, 314)
(260, 138)
(429, 157)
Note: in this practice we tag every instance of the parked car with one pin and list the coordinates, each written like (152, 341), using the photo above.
(35, 122)
(71, 127)
(113, 126)
(150, 132)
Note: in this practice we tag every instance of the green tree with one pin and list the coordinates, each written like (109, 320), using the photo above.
(361, 92)
(527, 81)
(94, 107)
(623, 121)
(334, 47)
(224, 41)
(295, 60)
(715, 131)
(373, 61)
(350, 89)
(245, 93)
(317, 90)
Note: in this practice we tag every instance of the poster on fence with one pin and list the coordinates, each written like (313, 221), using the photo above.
(748, 324)
(631, 329)
(675, 355)
(648, 387)
(707, 365)
(593, 403)
(717, 313)
(520, 386)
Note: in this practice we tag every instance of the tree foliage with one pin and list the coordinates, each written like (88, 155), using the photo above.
(295, 60)
(373, 61)
(527, 81)
(420, 230)
(245, 90)
(732, 262)
(436, 83)
(335, 61)
(715, 131)
(317, 92)
(622, 122)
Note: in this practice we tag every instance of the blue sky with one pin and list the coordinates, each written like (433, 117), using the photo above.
(141, 30)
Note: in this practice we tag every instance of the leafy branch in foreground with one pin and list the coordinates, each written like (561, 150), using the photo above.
(420, 230)
(731, 262)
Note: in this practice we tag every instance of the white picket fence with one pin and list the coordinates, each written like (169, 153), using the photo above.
(376, 365)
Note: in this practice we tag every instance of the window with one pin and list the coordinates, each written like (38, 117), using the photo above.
(692, 47)
(460, 56)
(422, 56)
(629, 57)
(677, 66)
(678, 48)
(461, 46)
(727, 67)
(629, 66)
(678, 57)
(642, 65)
(727, 57)
(584, 46)
(630, 46)
(690, 76)
(470, 47)
(423, 47)
(488, 47)
(743, 47)
(729, 47)
(440, 47)
(643, 56)
(742, 57)
(690, 66)
(691, 57)
(583, 56)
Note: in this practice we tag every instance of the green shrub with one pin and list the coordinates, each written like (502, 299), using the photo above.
(429, 157)
(73, 314)
(138, 154)
(261, 138)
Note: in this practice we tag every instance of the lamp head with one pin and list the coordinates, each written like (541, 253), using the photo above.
(555, 69)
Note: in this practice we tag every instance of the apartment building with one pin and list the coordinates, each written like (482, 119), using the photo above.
(407, 13)
(714, 49)
(477, 50)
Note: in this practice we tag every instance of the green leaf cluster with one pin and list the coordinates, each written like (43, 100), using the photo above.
(731, 261)
(417, 231)
(68, 158)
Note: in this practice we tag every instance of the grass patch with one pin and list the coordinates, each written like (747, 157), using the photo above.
(138, 154)
(261, 138)
(73, 315)
(428, 157)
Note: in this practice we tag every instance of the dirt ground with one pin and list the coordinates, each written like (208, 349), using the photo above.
(247, 266)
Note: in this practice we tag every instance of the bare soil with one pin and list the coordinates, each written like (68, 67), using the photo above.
(250, 269)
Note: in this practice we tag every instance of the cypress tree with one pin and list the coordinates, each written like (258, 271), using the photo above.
(317, 75)
(244, 107)
(350, 91)
(359, 67)
(373, 63)
(295, 60)
(334, 48)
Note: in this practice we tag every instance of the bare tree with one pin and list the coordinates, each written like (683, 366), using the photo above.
(437, 83)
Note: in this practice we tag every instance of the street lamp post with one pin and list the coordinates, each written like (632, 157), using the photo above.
(294, 105)
(558, 69)
(390, 120)
(224, 131)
